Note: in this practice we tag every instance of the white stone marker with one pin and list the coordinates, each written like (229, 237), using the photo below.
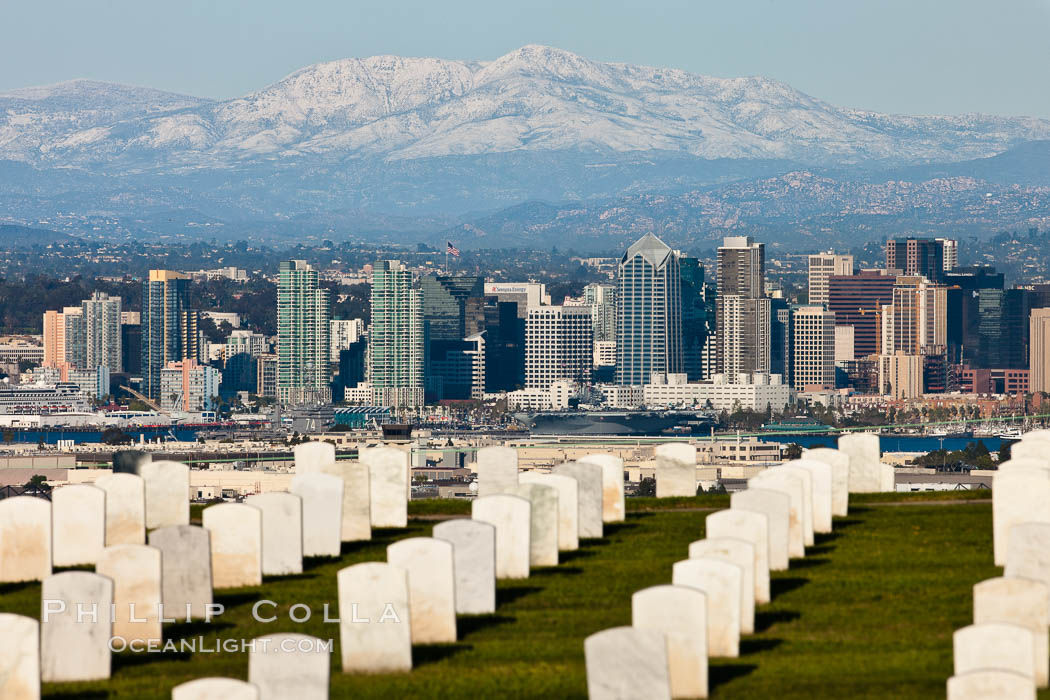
(568, 508)
(994, 645)
(776, 507)
(74, 641)
(310, 456)
(543, 537)
(675, 469)
(136, 573)
(740, 553)
(792, 485)
(78, 524)
(357, 518)
(721, 582)
(752, 528)
(301, 673)
(512, 518)
(375, 625)
(474, 549)
(822, 491)
(625, 663)
(215, 689)
(839, 463)
(1028, 552)
(167, 486)
(1030, 449)
(388, 485)
(1019, 601)
(431, 587)
(807, 498)
(497, 469)
(322, 496)
(185, 570)
(25, 539)
(1019, 495)
(236, 544)
(589, 495)
(282, 532)
(680, 613)
(866, 472)
(19, 657)
(125, 508)
(613, 508)
(983, 685)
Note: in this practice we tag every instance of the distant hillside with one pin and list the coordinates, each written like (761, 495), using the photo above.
(14, 236)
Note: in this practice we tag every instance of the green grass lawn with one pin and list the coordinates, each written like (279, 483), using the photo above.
(869, 613)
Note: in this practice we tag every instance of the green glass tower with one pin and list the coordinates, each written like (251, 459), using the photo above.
(396, 337)
(303, 372)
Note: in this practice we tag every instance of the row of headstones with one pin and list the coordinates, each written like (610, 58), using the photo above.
(1006, 652)
(139, 585)
(712, 597)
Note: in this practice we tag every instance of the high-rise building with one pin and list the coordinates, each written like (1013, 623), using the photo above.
(780, 338)
(648, 312)
(857, 301)
(54, 338)
(821, 267)
(396, 337)
(601, 298)
(187, 385)
(458, 368)
(453, 308)
(240, 370)
(1039, 357)
(698, 321)
(558, 345)
(170, 329)
(353, 368)
(524, 294)
(102, 338)
(916, 256)
(950, 247)
(266, 375)
(812, 348)
(303, 345)
(915, 322)
(743, 312)
(344, 333)
(975, 316)
(504, 346)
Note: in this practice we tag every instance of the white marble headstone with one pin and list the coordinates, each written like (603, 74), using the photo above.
(822, 491)
(236, 544)
(215, 689)
(322, 496)
(994, 645)
(752, 527)
(185, 570)
(790, 484)
(78, 517)
(282, 532)
(135, 570)
(740, 553)
(543, 539)
(776, 507)
(675, 469)
(568, 508)
(680, 613)
(1019, 601)
(839, 463)
(613, 508)
(309, 456)
(474, 548)
(866, 471)
(1019, 495)
(357, 512)
(25, 539)
(431, 587)
(167, 486)
(987, 684)
(589, 495)
(511, 516)
(125, 508)
(1028, 552)
(807, 497)
(75, 627)
(388, 484)
(721, 582)
(375, 624)
(19, 657)
(497, 469)
(627, 662)
(300, 673)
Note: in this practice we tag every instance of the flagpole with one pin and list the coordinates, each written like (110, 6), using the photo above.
(446, 259)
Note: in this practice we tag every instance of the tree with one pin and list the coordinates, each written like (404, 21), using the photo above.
(647, 487)
(36, 484)
(115, 436)
(793, 450)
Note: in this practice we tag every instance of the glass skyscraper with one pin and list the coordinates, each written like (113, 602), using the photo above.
(649, 312)
(396, 337)
(170, 330)
(303, 345)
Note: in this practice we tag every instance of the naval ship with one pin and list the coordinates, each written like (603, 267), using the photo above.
(616, 422)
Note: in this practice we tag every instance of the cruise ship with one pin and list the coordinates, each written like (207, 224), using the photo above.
(42, 399)
(616, 422)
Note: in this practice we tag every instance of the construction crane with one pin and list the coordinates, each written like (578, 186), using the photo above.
(146, 400)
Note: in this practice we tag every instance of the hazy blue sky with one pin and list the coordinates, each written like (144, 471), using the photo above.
(908, 56)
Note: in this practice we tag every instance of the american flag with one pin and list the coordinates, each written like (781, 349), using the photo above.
(452, 249)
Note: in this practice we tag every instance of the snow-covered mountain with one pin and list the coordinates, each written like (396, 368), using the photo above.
(535, 99)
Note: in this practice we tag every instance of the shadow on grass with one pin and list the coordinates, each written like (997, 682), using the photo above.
(423, 654)
(277, 578)
(780, 586)
(132, 659)
(721, 674)
(78, 695)
(633, 514)
(556, 571)
(194, 628)
(6, 588)
(764, 619)
(820, 549)
(233, 600)
(809, 562)
(509, 594)
(754, 646)
(357, 545)
(824, 537)
(564, 557)
(310, 563)
(467, 625)
(613, 528)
